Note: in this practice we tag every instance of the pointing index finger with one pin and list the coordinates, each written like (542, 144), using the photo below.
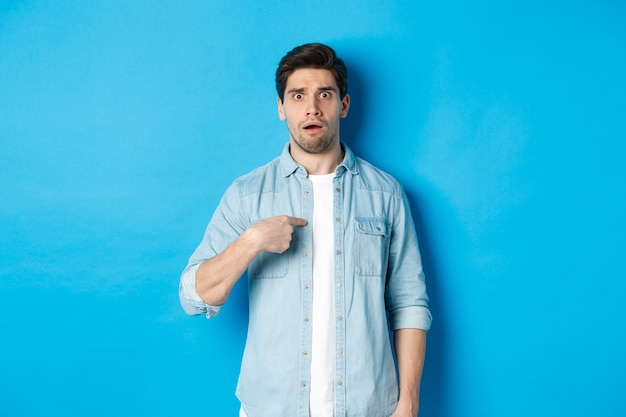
(296, 221)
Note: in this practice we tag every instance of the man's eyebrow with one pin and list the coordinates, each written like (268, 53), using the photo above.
(302, 89)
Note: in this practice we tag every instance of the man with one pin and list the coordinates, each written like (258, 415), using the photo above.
(333, 263)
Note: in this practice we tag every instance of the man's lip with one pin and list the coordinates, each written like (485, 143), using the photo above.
(312, 125)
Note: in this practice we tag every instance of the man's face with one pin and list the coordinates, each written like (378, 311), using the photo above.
(312, 108)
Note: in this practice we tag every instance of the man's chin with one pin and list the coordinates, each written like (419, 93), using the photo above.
(313, 145)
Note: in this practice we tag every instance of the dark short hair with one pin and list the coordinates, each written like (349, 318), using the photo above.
(311, 55)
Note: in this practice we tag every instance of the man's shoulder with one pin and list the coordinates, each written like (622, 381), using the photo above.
(260, 178)
(376, 179)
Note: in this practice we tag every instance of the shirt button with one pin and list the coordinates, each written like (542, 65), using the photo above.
(306, 319)
(305, 353)
(339, 382)
(338, 284)
(338, 252)
(305, 254)
(306, 287)
(339, 317)
(338, 189)
(339, 351)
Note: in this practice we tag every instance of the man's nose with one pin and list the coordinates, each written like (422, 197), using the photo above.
(313, 108)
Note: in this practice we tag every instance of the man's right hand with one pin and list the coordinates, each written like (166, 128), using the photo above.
(274, 234)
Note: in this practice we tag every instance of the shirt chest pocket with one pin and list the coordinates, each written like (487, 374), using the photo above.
(269, 265)
(371, 246)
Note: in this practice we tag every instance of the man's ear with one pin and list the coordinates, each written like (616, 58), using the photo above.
(345, 105)
(281, 111)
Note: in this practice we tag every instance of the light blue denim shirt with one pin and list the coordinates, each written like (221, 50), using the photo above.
(379, 285)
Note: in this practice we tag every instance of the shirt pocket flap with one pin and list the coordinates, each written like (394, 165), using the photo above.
(372, 226)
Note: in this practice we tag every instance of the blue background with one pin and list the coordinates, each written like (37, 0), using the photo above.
(122, 123)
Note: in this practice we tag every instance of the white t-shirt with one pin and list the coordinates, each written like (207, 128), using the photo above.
(322, 397)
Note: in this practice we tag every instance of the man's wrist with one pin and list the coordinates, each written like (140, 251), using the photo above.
(408, 406)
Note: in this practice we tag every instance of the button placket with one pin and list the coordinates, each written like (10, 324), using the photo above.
(306, 296)
(340, 332)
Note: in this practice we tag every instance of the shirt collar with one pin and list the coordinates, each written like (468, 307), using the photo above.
(290, 166)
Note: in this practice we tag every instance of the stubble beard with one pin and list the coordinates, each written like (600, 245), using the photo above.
(314, 144)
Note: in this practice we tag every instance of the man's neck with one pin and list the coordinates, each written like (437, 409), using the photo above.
(318, 164)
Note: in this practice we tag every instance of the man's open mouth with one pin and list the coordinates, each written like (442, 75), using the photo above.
(311, 126)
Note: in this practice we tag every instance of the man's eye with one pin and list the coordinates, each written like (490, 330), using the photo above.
(324, 94)
(297, 96)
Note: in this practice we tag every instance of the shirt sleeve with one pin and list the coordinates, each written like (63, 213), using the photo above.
(405, 293)
(189, 299)
(225, 226)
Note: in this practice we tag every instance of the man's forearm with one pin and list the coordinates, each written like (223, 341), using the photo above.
(216, 277)
(410, 350)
